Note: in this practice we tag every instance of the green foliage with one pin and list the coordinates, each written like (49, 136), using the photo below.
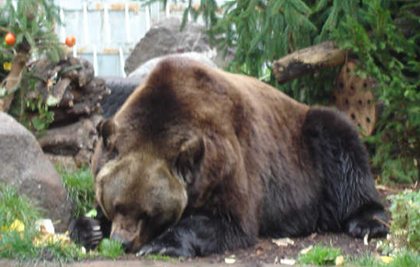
(320, 255)
(405, 227)
(390, 55)
(32, 112)
(110, 249)
(79, 185)
(32, 22)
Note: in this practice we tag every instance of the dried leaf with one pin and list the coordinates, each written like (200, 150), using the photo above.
(283, 242)
(339, 260)
(288, 261)
(230, 260)
(386, 259)
(306, 250)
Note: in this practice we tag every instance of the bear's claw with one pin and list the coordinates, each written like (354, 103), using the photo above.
(372, 228)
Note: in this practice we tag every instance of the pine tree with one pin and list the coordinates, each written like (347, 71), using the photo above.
(31, 25)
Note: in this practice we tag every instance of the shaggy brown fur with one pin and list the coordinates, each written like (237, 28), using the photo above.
(198, 161)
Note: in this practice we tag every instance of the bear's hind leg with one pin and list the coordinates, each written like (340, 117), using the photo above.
(350, 199)
(368, 221)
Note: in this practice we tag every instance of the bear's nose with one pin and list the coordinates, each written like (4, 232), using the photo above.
(126, 244)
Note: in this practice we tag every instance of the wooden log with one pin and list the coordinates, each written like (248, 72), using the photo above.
(307, 60)
(75, 140)
(69, 139)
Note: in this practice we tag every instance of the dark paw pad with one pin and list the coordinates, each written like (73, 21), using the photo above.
(86, 232)
(373, 228)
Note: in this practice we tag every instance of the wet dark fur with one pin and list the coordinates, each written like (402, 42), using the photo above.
(267, 165)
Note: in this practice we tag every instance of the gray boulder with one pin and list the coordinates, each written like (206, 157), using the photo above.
(24, 166)
(166, 38)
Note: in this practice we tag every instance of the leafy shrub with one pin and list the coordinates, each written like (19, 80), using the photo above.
(388, 50)
(320, 255)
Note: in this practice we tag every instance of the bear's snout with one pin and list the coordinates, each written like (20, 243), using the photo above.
(127, 245)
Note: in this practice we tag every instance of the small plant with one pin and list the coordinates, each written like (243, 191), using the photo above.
(79, 185)
(110, 248)
(405, 227)
(320, 255)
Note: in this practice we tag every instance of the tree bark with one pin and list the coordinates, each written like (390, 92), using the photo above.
(13, 79)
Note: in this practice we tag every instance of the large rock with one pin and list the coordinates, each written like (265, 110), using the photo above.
(24, 166)
(166, 38)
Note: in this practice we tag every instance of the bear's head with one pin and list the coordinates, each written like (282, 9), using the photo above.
(141, 187)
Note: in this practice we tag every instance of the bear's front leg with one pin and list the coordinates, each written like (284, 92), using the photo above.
(198, 235)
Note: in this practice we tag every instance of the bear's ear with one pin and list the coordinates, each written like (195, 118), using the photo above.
(105, 128)
(189, 158)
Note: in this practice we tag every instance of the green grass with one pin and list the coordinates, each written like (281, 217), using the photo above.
(320, 255)
(110, 249)
(404, 258)
(80, 188)
(16, 244)
(405, 227)
(154, 257)
(13, 206)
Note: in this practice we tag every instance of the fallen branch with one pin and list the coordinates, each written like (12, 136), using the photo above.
(307, 60)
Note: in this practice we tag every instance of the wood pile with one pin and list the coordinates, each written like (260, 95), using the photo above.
(74, 95)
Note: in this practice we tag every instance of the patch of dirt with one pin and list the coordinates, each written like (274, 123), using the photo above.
(267, 252)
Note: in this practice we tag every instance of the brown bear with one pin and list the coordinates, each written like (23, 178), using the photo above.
(199, 161)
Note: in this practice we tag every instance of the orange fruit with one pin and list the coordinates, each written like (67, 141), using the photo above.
(10, 39)
(70, 40)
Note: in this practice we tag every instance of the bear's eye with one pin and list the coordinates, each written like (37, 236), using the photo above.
(120, 209)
